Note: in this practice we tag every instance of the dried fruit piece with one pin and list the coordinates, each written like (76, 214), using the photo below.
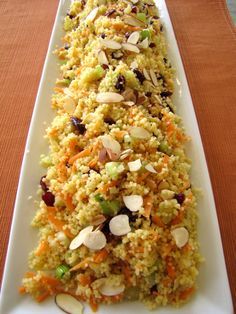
(109, 97)
(95, 240)
(120, 83)
(180, 236)
(135, 165)
(48, 198)
(68, 304)
(119, 225)
(133, 202)
(139, 132)
(79, 239)
(139, 75)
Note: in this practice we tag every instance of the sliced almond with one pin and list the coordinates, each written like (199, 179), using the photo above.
(135, 165)
(92, 15)
(130, 47)
(130, 95)
(180, 236)
(102, 58)
(133, 38)
(132, 21)
(68, 304)
(98, 220)
(139, 132)
(144, 44)
(102, 155)
(134, 64)
(111, 44)
(112, 146)
(109, 97)
(158, 98)
(95, 240)
(129, 103)
(68, 92)
(146, 75)
(133, 202)
(134, 1)
(79, 239)
(109, 290)
(153, 77)
(150, 168)
(69, 105)
(126, 153)
(119, 225)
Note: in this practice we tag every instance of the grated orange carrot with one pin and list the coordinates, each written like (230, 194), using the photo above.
(157, 221)
(43, 247)
(22, 290)
(83, 264)
(59, 225)
(43, 296)
(85, 280)
(83, 153)
(108, 185)
(100, 256)
(93, 163)
(93, 304)
(186, 293)
(148, 203)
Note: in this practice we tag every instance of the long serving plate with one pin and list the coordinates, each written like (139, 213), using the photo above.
(213, 295)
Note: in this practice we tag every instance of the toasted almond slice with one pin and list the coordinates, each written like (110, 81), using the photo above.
(126, 153)
(133, 38)
(79, 239)
(135, 165)
(180, 236)
(68, 304)
(111, 44)
(144, 44)
(102, 58)
(150, 168)
(134, 64)
(153, 77)
(119, 225)
(139, 132)
(69, 105)
(130, 95)
(134, 1)
(109, 97)
(158, 98)
(130, 47)
(102, 155)
(132, 21)
(112, 146)
(133, 202)
(110, 290)
(92, 15)
(129, 103)
(146, 75)
(98, 220)
(95, 240)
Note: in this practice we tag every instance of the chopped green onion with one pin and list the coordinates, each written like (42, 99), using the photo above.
(109, 208)
(61, 271)
(114, 169)
(145, 33)
(142, 17)
(164, 148)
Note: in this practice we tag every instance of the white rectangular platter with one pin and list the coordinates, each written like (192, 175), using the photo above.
(213, 295)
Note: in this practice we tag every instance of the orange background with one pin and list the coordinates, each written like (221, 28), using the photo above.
(207, 42)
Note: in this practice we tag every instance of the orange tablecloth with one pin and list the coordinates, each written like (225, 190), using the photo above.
(207, 42)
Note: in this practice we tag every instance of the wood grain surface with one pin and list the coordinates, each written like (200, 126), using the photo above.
(207, 42)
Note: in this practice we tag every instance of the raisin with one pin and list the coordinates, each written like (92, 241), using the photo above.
(134, 9)
(48, 198)
(180, 198)
(43, 184)
(152, 45)
(148, 94)
(120, 84)
(103, 36)
(139, 75)
(110, 12)
(166, 94)
(109, 120)
(80, 127)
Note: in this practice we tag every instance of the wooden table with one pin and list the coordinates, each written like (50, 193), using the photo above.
(207, 41)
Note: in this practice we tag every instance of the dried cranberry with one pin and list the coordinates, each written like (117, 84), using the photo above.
(48, 198)
(126, 211)
(80, 127)
(127, 34)
(166, 94)
(71, 16)
(148, 94)
(103, 36)
(155, 17)
(109, 120)
(120, 83)
(152, 45)
(43, 184)
(134, 9)
(139, 75)
(153, 289)
(110, 12)
(105, 66)
(180, 198)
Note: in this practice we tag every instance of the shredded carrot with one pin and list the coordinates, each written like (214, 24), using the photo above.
(100, 256)
(43, 247)
(93, 163)
(69, 202)
(50, 281)
(171, 270)
(22, 290)
(120, 134)
(142, 177)
(108, 185)
(186, 293)
(130, 28)
(166, 159)
(127, 273)
(84, 153)
(93, 304)
(83, 264)
(59, 225)
(157, 221)
(43, 296)
(85, 280)
(148, 203)
(178, 218)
